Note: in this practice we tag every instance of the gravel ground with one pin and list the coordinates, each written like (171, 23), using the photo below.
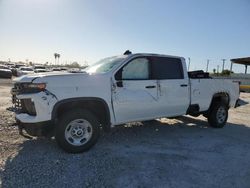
(181, 152)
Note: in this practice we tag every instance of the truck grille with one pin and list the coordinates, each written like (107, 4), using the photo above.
(19, 88)
(23, 105)
(16, 102)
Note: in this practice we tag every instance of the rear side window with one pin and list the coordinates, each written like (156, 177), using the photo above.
(166, 68)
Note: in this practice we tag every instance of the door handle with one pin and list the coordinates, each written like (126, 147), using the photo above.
(150, 87)
(183, 85)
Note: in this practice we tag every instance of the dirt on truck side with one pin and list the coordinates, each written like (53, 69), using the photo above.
(182, 152)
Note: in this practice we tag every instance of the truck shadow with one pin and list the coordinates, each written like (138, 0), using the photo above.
(242, 102)
(40, 162)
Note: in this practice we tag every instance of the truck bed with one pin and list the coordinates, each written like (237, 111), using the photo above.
(202, 91)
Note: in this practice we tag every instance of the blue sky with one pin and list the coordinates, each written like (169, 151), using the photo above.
(87, 30)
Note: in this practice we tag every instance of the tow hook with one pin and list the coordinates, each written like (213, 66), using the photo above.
(20, 129)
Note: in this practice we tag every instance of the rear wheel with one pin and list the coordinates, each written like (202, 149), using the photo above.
(218, 115)
(77, 131)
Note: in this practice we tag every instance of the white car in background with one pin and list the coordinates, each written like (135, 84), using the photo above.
(25, 70)
(40, 68)
(75, 70)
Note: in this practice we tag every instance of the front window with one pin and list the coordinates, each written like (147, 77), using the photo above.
(137, 69)
(105, 65)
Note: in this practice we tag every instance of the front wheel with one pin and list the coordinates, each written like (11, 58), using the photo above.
(77, 131)
(218, 115)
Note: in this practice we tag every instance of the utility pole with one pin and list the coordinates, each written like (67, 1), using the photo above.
(231, 67)
(218, 67)
(223, 64)
(188, 63)
(207, 65)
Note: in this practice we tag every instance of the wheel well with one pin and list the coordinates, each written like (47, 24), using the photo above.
(96, 106)
(220, 97)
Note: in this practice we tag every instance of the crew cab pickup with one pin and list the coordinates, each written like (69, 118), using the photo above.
(74, 108)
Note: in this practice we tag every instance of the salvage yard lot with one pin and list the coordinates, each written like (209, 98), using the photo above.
(181, 152)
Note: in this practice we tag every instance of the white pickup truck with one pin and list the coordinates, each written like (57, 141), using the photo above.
(117, 90)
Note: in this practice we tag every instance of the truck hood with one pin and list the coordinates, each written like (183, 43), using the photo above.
(46, 76)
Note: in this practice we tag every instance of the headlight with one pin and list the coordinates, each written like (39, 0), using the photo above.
(40, 86)
(31, 88)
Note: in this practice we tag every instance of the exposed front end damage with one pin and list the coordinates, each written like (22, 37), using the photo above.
(33, 108)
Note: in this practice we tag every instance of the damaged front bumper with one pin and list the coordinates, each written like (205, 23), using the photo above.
(45, 129)
(33, 112)
(34, 108)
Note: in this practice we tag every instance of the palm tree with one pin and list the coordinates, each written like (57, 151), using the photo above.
(58, 55)
(55, 54)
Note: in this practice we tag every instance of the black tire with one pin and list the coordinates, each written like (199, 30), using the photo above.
(218, 115)
(64, 125)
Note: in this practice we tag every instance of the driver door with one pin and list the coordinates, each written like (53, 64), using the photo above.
(135, 96)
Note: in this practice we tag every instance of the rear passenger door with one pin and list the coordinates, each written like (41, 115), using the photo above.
(173, 86)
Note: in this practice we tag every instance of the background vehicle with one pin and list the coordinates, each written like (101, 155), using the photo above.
(40, 68)
(5, 72)
(117, 90)
(25, 70)
(15, 68)
(64, 69)
(75, 70)
(9, 64)
(56, 69)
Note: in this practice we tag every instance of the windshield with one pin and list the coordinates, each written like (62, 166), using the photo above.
(105, 65)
